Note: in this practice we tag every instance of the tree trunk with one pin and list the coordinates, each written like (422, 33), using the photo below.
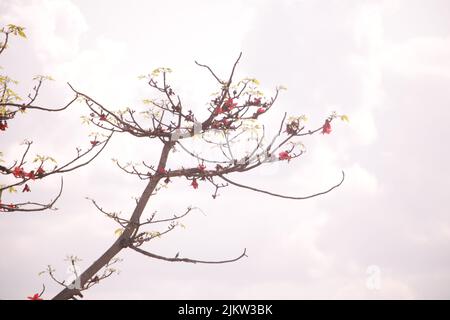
(122, 241)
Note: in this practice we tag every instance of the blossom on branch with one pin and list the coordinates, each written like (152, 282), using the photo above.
(229, 104)
(18, 172)
(284, 155)
(3, 125)
(40, 171)
(36, 296)
(30, 175)
(218, 111)
(161, 170)
(326, 127)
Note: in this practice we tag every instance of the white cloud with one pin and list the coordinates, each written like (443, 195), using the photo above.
(363, 126)
(419, 56)
(391, 288)
(53, 26)
(361, 180)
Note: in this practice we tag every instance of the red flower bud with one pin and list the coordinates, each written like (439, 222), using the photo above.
(30, 175)
(194, 183)
(229, 104)
(3, 125)
(36, 296)
(326, 127)
(161, 170)
(18, 172)
(284, 155)
(40, 171)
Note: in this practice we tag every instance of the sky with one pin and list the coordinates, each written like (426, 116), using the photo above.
(384, 234)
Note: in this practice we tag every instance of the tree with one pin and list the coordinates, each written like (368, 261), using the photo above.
(233, 114)
(12, 105)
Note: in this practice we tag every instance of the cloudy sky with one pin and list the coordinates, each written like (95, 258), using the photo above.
(386, 64)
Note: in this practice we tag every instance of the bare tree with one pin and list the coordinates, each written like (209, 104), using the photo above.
(39, 167)
(231, 120)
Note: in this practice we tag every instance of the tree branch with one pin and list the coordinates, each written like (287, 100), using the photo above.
(280, 195)
(176, 259)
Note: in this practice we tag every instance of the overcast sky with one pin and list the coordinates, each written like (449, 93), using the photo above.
(386, 64)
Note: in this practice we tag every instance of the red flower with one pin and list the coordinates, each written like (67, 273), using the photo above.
(201, 167)
(40, 171)
(194, 184)
(30, 175)
(326, 127)
(226, 122)
(26, 188)
(257, 101)
(284, 155)
(18, 172)
(12, 206)
(215, 124)
(102, 117)
(161, 170)
(218, 110)
(94, 143)
(260, 110)
(3, 125)
(36, 296)
(189, 117)
(229, 104)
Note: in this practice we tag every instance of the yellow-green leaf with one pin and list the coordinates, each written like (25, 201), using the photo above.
(118, 232)
(344, 118)
(85, 120)
(21, 33)
(12, 189)
(153, 234)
